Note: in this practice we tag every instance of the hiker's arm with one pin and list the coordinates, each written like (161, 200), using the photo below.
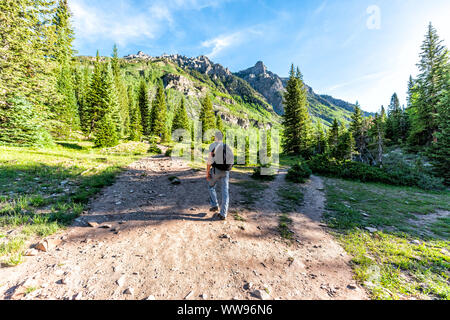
(208, 170)
(208, 166)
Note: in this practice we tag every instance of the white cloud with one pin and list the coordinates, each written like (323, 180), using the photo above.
(220, 43)
(123, 23)
(223, 42)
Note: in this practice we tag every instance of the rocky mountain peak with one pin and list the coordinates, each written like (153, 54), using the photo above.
(139, 55)
(265, 82)
(259, 68)
(201, 64)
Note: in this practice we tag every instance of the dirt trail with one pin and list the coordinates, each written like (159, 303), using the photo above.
(163, 242)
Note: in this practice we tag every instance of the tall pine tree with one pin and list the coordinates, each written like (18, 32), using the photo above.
(320, 140)
(429, 89)
(440, 151)
(394, 120)
(135, 117)
(357, 130)
(297, 134)
(219, 124)
(27, 72)
(158, 116)
(65, 113)
(63, 32)
(207, 117)
(113, 100)
(333, 138)
(82, 77)
(144, 107)
(122, 94)
(100, 100)
(26, 46)
(181, 119)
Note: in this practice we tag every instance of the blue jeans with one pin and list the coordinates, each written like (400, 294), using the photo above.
(223, 176)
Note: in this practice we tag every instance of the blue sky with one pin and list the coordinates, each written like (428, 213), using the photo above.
(351, 49)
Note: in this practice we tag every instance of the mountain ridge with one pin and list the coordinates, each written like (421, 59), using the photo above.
(257, 86)
(272, 86)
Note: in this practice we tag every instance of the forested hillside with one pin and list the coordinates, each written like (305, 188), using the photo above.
(374, 148)
(50, 93)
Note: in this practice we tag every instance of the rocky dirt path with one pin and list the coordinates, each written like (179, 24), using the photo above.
(150, 238)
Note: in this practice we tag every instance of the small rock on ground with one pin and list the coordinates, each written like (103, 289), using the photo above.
(261, 294)
(129, 291)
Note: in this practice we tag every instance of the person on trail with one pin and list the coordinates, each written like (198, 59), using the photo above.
(220, 162)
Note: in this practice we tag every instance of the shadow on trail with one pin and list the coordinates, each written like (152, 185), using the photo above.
(146, 198)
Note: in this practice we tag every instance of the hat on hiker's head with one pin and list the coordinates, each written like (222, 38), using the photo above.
(219, 135)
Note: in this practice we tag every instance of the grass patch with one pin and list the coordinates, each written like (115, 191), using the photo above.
(284, 227)
(408, 256)
(43, 190)
(290, 198)
(251, 191)
(237, 216)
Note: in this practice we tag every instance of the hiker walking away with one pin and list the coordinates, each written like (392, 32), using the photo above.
(220, 162)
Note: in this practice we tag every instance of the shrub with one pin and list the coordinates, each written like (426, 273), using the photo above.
(411, 171)
(154, 149)
(395, 172)
(168, 152)
(299, 172)
(264, 177)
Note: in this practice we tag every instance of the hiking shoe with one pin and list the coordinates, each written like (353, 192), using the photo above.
(214, 209)
(221, 217)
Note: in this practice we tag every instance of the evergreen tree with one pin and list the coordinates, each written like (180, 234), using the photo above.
(106, 133)
(158, 116)
(404, 125)
(394, 120)
(65, 113)
(144, 107)
(21, 125)
(346, 146)
(181, 119)
(121, 91)
(383, 116)
(64, 109)
(115, 65)
(358, 132)
(440, 151)
(101, 99)
(377, 138)
(112, 99)
(219, 124)
(135, 117)
(25, 48)
(333, 137)
(429, 89)
(63, 32)
(207, 117)
(81, 88)
(321, 144)
(297, 135)
(410, 94)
